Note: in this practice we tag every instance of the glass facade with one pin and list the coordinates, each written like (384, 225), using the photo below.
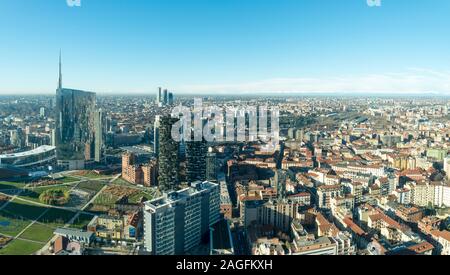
(39, 156)
(74, 122)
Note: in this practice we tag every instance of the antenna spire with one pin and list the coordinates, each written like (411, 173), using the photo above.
(60, 72)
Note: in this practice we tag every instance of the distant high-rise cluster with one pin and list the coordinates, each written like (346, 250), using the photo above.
(164, 98)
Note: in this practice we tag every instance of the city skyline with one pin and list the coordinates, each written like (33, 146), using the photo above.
(320, 47)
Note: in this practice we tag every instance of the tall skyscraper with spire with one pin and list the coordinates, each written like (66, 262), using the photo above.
(60, 72)
(74, 118)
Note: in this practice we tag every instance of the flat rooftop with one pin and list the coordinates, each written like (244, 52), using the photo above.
(37, 151)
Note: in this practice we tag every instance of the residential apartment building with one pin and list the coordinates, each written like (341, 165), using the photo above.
(176, 222)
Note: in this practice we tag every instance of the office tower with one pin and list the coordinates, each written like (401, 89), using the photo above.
(447, 166)
(17, 138)
(74, 124)
(165, 99)
(196, 161)
(42, 112)
(53, 138)
(156, 136)
(176, 222)
(170, 98)
(99, 127)
(159, 96)
(168, 155)
(211, 165)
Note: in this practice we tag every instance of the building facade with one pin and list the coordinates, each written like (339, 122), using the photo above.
(177, 222)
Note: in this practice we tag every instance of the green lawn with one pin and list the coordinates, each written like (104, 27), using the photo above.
(11, 185)
(33, 194)
(24, 209)
(121, 181)
(20, 247)
(38, 232)
(134, 198)
(12, 225)
(82, 221)
(106, 199)
(92, 175)
(90, 186)
(57, 217)
(68, 180)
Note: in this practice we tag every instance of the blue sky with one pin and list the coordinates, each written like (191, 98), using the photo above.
(206, 46)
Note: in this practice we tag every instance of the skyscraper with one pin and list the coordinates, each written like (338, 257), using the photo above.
(168, 155)
(211, 165)
(176, 222)
(159, 96)
(17, 138)
(42, 112)
(100, 132)
(196, 161)
(156, 136)
(170, 98)
(166, 97)
(74, 124)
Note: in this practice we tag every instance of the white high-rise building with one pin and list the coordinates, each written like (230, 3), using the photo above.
(447, 166)
(176, 222)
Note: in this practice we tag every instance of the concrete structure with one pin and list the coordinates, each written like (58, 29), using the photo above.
(38, 157)
(176, 222)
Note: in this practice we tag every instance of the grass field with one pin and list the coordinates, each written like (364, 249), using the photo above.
(134, 198)
(33, 194)
(57, 217)
(20, 247)
(12, 225)
(82, 221)
(24, 209)
(91, 186)
(68, 180)
(6, 185)
(106, 199)
(38, 232)
(90, 175)
(120, 181)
